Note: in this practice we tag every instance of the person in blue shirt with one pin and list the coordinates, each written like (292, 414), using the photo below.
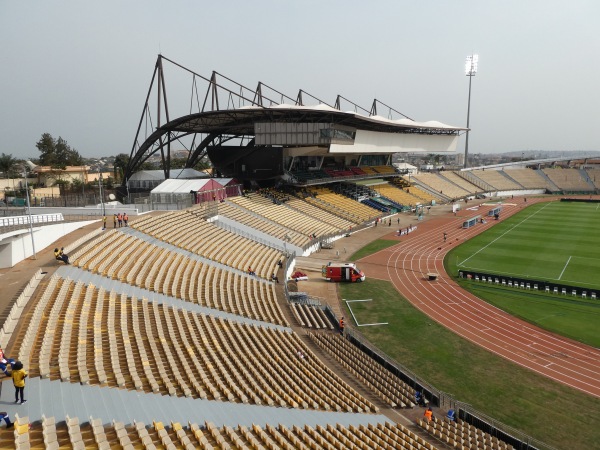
(451, 415)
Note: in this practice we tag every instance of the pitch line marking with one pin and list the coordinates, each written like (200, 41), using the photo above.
(502, 235)
(354, 317)
(564, 268)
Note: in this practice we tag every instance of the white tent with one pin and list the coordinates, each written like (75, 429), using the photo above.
(148, 179)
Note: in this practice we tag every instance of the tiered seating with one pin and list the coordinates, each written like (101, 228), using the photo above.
(154, 268)
(190, 232)
(285, 216)
(180, 353)
(441, 185)
(594, 176)
(323, 215)
(306, 175)
(385, 384)
(384, 170)
(461, 182)
(368, 170)
(529, 179)
(568, 179)
(309, 316)
(354, 211)
(71, 433)
(336, 173)
(462, 435)
(358, 171)
(497, 179)
(398, 195)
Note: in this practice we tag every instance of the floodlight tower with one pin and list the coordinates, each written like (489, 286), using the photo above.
(470, 71)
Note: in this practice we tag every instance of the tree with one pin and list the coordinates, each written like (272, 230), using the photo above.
(120, 164)
(57, 153)
(9, 165)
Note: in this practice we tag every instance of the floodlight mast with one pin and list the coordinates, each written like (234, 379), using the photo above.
(470, 71)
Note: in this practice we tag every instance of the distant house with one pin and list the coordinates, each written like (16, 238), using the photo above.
(49, 176)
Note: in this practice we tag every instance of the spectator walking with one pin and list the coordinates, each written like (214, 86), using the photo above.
(18, 375)
(445, 236)
(104, 222)
(114, 221)
(342, 325)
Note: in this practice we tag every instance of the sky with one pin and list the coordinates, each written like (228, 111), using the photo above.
(81, 69)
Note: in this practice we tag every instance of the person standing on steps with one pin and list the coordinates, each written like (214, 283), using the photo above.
(342, 326)
(18, 375)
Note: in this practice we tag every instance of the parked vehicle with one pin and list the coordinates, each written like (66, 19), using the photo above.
(342, 272)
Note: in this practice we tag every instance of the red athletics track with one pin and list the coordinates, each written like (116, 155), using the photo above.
(422, 251)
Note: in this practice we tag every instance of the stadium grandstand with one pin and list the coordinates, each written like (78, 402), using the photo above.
(175, 332)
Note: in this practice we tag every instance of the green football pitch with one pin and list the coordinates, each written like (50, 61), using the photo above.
(554, 241)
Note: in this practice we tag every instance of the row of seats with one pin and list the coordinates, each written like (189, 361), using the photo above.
(286, 216)
(174, 274)
(568, 179)
(385, 384)
(594, 177)
(525, 285)
(462, 435)
(191, 232)
(353, 210)
(399, 195)
(455, 178)
(243, 216)
(321, 214)
(310, 316)
(529, 179)
(177, 352)
(93, 433)
(441, 185)
(497, 179)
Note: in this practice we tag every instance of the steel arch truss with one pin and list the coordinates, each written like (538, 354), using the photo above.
(228, 111)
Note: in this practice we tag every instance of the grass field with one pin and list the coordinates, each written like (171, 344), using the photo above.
(553, 413)
(554, 241)
(547, 241)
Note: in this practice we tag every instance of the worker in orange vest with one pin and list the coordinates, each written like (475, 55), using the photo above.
(428, 414)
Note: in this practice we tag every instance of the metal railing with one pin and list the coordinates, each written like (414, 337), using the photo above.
(466, 412)
(67, 218)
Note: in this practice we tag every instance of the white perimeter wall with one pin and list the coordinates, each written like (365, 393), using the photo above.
(16, 246)
(373, 142)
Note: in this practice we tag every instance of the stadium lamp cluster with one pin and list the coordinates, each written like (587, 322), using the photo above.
(471, 65)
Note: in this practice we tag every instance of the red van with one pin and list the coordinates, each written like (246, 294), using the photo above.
(342, 272)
